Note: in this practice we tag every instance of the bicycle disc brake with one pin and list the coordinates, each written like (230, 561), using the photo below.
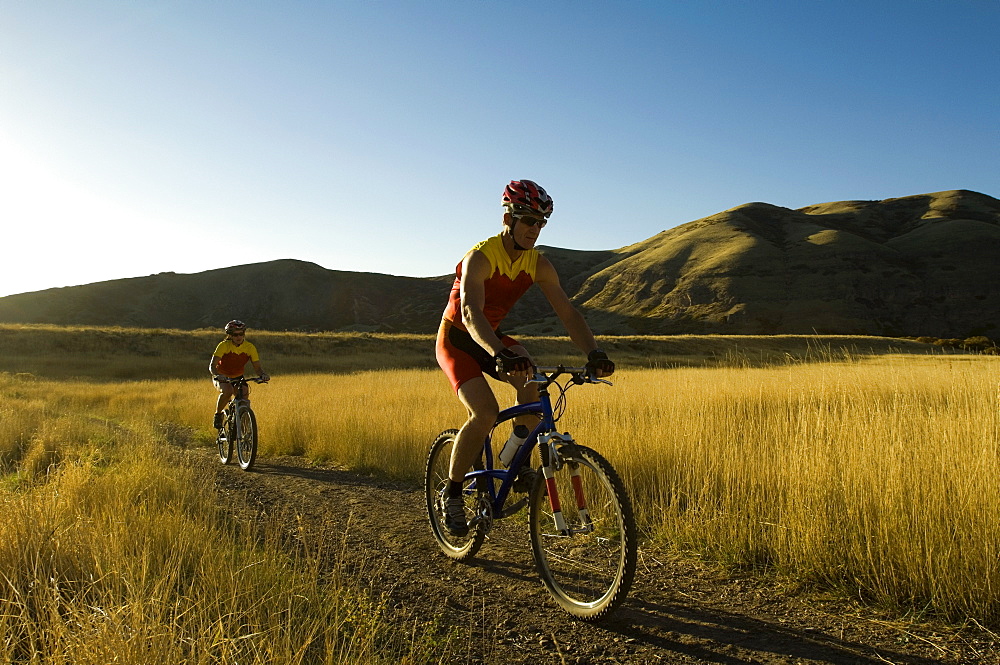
(561, 447)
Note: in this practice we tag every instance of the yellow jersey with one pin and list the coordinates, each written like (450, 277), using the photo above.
(507, 282)
(234, 358)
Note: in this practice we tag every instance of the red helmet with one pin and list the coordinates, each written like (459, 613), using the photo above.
(235, 326)
(527, 196)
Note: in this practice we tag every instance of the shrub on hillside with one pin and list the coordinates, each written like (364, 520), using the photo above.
(978, 343)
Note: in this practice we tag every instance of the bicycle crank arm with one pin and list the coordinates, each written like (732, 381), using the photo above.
(513, 508)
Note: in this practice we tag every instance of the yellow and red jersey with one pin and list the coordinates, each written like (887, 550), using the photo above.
(234, 358)
(507, 282)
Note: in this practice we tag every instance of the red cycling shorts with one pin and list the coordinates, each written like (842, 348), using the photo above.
(462, 358)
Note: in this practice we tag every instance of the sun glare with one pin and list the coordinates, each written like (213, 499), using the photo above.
(62, 231)
(52, 224)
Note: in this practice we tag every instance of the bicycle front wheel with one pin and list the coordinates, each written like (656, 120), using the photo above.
(587, 559)
(246, 440)
(435, 484)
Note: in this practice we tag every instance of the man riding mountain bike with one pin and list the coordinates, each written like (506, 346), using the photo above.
(491, 278)
(230, 357)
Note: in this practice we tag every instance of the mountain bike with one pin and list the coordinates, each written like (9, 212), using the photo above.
(239, 424)
(580, 522)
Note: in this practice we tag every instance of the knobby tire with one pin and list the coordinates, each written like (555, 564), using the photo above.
(246, 442)
(590, 572)
(225, 442)
(459, 548)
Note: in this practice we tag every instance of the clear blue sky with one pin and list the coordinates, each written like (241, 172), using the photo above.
(377, 135)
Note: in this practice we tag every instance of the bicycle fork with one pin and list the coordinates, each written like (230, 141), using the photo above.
(553, 463)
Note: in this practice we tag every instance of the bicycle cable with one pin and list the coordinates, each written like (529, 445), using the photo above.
(559, 408)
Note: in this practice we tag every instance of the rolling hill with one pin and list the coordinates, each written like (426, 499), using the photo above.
(276, 295)
(921, 264)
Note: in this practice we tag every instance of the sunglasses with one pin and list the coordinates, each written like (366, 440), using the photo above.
(530, 220)
(237, 334)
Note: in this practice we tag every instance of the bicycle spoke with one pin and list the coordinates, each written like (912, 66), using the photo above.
(435, 482)
(580, 521)
(590, 570)
(246, 438)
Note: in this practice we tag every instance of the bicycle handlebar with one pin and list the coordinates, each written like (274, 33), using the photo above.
(226, 379)
(548, 374)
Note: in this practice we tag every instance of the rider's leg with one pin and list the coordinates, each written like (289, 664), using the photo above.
(526, 392)
(225, 395)
(478, 398)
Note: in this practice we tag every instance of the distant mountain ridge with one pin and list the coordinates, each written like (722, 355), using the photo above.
(276, 295)
(921, 264)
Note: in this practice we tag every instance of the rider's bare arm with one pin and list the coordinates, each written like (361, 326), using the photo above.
(475, 271)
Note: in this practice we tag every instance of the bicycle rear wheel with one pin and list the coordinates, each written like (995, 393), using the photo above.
(435, 484)
(246, 441)
(588, 567)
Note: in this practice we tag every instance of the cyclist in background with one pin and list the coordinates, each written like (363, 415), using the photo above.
(492, 276)
(230, 357)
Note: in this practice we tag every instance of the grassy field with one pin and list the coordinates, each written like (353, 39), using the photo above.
(876, 478)
(860, 464)
(114, 549)
(114, 354)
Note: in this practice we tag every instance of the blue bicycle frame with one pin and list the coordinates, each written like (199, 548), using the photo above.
(544, 430)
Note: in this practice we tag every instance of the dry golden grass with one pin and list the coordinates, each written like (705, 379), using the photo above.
(115, 354)
(876, 477)
(869, 472)
(114, 550)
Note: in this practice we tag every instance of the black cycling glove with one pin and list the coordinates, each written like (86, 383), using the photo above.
(598, 360)
(507, 361)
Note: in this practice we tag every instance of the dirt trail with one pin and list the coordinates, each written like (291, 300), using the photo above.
(677, 612)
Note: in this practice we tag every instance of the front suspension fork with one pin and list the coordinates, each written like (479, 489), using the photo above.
(552, 461)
